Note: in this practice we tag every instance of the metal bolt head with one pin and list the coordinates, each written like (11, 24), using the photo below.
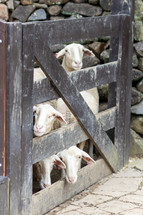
(0, 41)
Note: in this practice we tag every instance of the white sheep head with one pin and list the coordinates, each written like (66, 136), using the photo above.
(72, 158)
(43, 168)
(45, 115)
(73, 55)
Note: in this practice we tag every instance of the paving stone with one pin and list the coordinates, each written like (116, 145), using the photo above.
(91, 211)
(117, 187)
(129, 173)
(116, 206)
(138, 164)
(139, 192)
(69, 209)
(135, 199)
(92, 200)
(135, 211)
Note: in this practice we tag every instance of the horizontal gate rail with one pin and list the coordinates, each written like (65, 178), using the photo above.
(67, 136)
(80, 29)
(61, 191)
(84, 80)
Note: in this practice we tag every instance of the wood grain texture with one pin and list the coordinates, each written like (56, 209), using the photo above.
(4, 192)
(13, 112)
(67, 136)
(83, 80)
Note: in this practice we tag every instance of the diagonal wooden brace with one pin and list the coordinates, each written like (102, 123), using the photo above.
(73, 99)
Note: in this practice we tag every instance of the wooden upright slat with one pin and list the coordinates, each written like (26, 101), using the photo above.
(2, 98)
(4, 195)
(123, 91)
(83, 79)
(56, 32)
(27, 120)
(75, 102)
(13, 112)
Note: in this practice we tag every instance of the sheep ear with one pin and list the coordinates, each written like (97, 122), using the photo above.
(88, 52)
(60, 117)
(59, 162)
(87, 158)
(60, 54)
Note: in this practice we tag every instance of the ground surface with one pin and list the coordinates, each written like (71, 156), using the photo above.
(120, 193)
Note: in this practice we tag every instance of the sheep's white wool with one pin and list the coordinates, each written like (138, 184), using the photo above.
(72, 158)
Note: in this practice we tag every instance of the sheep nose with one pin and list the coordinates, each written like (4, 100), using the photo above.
(78, 63)
(72, 179)
(39, 127)
(45, 185)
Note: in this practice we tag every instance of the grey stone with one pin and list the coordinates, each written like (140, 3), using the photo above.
(140, 65)
(22, 13)
(16, 4)
(93, 1)
(140, 86)
(137, 109)
(137, 124)
(83, 9)
(134, 60)
(90, 61)
(80, 1)
(136, 74)
(52, 2)
(41, 6)
(103, 92)
(54, 10)
(138, 31)
(97, 47)
(10, 4)
(105, 56)
(3, 12)
(139, 48)
(136, 144)
(76, 16)
(39, 14)
(57, 17)
(136, 96)
(105, 4)
(138, 15)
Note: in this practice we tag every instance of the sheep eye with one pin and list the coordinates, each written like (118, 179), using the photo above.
(54, 114)
(78, 156)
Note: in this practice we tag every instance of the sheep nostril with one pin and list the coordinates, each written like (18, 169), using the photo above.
(45, 185)
(71, 179)
(78, 63)
(39, 127)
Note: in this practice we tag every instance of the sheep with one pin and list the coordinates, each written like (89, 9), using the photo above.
(72, 60)
(72, 56)
(42, 170)
(72, 158)
(45, 116)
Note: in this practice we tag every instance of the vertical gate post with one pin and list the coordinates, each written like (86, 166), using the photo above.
(2, 98)
(13, 113)
(4, 191)
(27, 119)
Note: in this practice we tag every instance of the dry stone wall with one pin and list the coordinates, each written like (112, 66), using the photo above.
(40, 10)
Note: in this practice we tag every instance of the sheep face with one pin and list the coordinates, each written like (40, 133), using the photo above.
(73, 55)
(43, 170)
(45, 116)
(72, 158)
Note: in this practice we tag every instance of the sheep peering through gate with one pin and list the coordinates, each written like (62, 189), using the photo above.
(21, 94)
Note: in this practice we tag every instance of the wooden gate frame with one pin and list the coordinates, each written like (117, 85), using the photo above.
(19, 49)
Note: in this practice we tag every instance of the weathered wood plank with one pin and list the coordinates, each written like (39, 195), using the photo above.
(123, 91)
(67, 136)
(2, 98)
(13, 113)
(4, 192)
(45, 200)
(27, 120)
(75, 102)
(80, 29)
(83, 79)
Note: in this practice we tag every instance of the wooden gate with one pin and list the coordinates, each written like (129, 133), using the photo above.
(24, 43)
